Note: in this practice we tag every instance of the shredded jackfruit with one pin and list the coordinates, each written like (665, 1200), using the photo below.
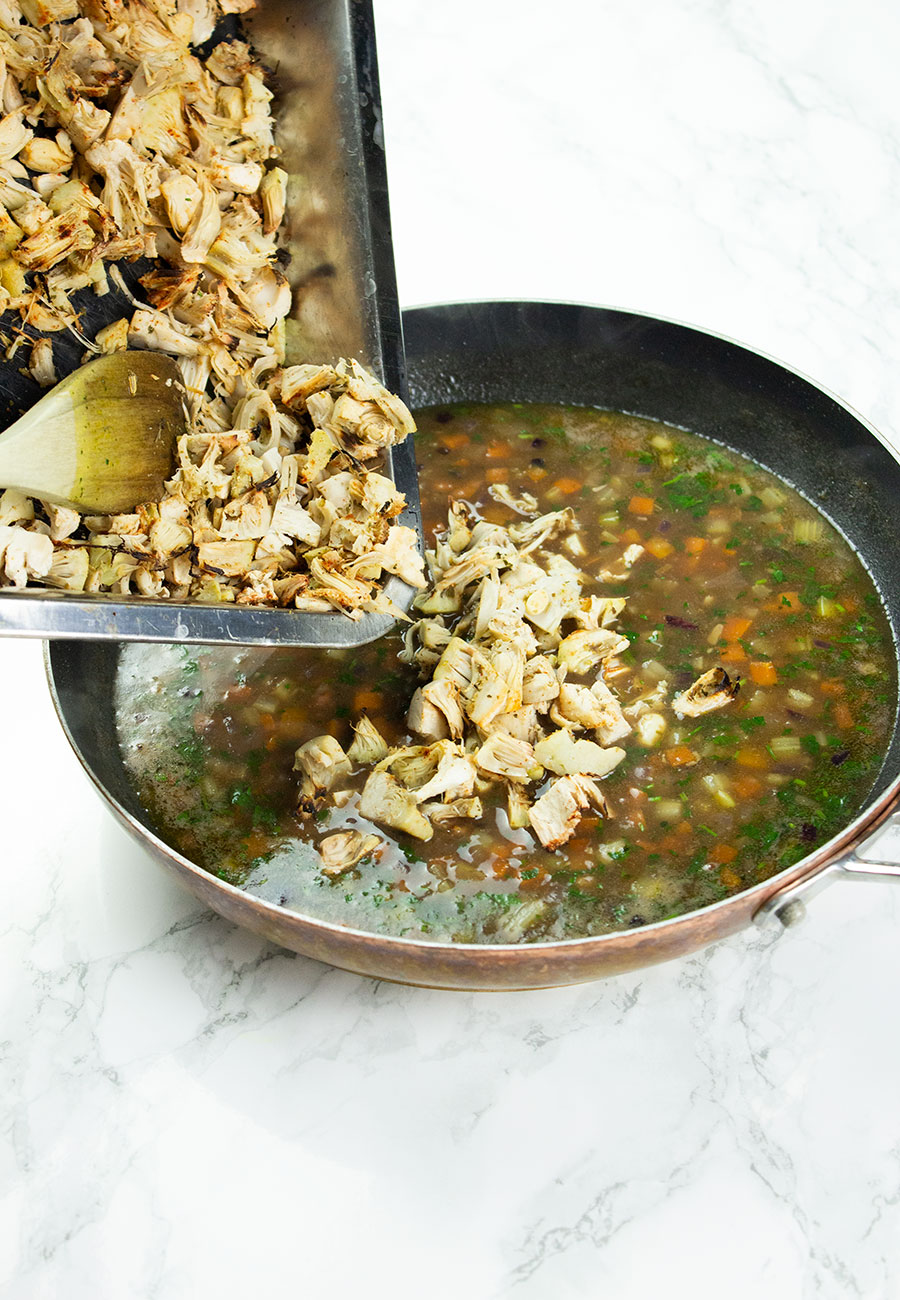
(119, 141)
(497, 707)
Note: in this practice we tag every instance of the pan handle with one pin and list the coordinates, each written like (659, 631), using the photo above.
(788, 905)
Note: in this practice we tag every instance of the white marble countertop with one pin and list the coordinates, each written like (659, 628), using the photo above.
(188, 1112)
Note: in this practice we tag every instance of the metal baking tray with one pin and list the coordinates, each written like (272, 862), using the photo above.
(338, 233)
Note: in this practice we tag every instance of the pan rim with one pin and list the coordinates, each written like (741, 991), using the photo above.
(872, 817)
(869, 819)
(892, 449)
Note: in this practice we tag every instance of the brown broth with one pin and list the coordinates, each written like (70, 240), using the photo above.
(737, 570)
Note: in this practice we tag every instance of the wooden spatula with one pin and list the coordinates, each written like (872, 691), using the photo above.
(103, 439)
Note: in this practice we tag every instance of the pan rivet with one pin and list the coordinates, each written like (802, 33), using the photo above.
(792, 913)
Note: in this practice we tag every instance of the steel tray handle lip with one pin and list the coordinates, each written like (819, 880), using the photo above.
(788, 905)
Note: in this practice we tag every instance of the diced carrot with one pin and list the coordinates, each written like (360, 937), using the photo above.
(257, 843)
(734, 628)
(763, 673)
(366, 700)
(734, 653)
(848, 603)
(646, 845)
(535, 473)
(730, 879)
(291, 722)
(568, 485)
(630, 536)
(842, 715)
(273, 742)
(455, 441)
(681, 756)
(497, 475)
(497, 451)
(684, 828)
(502, 870)
(659, 547)
(746, 786)
(831, 687)
(788, 602)
(670, 843)
(641, 505)
(752, 757)
(714, 562)
(267, 721)
(722, 853)
(291, 717)
(239, 694)
(536, 883)
(694, 545)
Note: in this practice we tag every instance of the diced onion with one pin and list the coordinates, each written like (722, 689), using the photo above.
(785, 746)
(667, 810)
(800, 698)
(808, 530)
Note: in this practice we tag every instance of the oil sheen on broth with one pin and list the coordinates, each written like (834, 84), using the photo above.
(738, 571)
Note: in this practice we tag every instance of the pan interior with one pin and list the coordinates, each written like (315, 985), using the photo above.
(562, 352)
(547, 353)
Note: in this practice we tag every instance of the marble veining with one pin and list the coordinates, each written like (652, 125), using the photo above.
(188, 1111)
